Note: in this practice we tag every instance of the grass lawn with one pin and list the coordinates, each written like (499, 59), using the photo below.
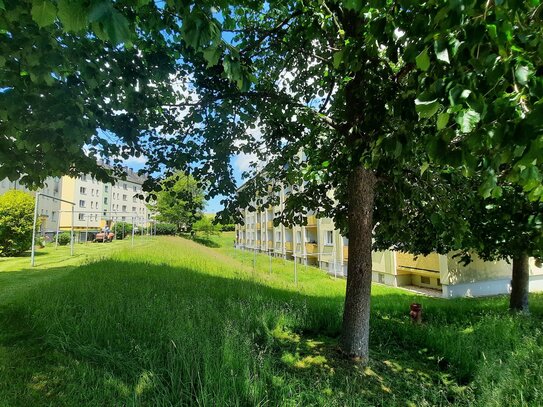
(173, 322)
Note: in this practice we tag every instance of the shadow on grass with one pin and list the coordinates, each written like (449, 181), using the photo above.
(118, 319)
(206, 242)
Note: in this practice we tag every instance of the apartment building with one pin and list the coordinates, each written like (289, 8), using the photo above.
(48, 209)
(97, 204)
(320, 243)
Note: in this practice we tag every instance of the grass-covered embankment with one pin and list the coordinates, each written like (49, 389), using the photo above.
(175, 323)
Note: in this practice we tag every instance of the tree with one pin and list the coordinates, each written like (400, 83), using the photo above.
(16, 222)
(77, 83)
(483, 87)
(181, 201)
(342, 80)
(508, 227)
(206, 226)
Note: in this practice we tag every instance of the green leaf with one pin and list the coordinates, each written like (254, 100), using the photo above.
(423, 60)
(212, 56)
(2, 5)
(338, 57)
(423, 168)
(467, 119)
(72, 15)
(442, 120)
(116, 27)
(442, 54)
(426, 109)
(43, 12)
(100, 11)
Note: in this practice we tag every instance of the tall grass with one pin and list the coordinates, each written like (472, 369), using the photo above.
(177, 323)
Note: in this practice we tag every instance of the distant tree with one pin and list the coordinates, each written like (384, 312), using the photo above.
(16, 221)
(180, 201)
(121, 229)
(206, 227)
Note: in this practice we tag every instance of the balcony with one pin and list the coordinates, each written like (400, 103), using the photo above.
(288, 246)
(258, 243)
(311, 248)
(408, 261)
(270, 244)
(345, 252)
(278, 246)
(269, 224)
(258, 226)
(311, 221)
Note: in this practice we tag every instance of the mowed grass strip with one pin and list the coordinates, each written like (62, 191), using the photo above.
(172, 322)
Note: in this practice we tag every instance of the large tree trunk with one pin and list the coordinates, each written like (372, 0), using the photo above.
(520, 284)
(356, 314)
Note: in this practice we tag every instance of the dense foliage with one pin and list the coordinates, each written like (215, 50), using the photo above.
(16, 221)
(206, 227)
(64, 238)
(180, 201)
(121, 229)
(165, 229)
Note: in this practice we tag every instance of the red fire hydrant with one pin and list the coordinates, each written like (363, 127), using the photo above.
(415, 312)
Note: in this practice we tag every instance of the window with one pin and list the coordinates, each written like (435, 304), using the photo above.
(124, 208)
(425, 280)
(83, 177)
(381, 278)
(81, 203)
(125, 187)
(105, 200)
(92, 192)
(124, 197)
(83, 190)
(329, 237)
(299, 236)
(106, 188)
(123, 218)
(134, 199)
(278, 236)
(135, 188)
(92, 205)
(53, 215)
(133, 209)
(81, 216)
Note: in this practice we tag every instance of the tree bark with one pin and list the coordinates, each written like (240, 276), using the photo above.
(520, 284)
(356, 314)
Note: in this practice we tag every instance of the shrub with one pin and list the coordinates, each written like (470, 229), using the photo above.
(16, 219)
(166, 229)
(64, 239)
(230, 227)
(206, 227)
(121, 229)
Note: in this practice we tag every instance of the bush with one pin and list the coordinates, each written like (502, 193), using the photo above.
(16, 220)
(64, 239)
(166, 229)
(230, 227)
(206, 227)
(121, 229)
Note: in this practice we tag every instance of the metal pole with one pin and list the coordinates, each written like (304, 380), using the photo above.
(33, 250)
(295, 271)
(254, 259)
(56, 237)
(270, 256)
(87, 231)
(132, 231)
(72, 237)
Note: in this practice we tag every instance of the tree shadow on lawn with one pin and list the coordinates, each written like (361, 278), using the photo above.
(123, 317)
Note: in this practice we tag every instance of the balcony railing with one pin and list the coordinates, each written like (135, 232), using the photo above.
(269, 224)
(311, 221)
(311, 248)
(288, 246)
(345, 252)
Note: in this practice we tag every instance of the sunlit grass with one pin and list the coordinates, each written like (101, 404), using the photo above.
(172, 322)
